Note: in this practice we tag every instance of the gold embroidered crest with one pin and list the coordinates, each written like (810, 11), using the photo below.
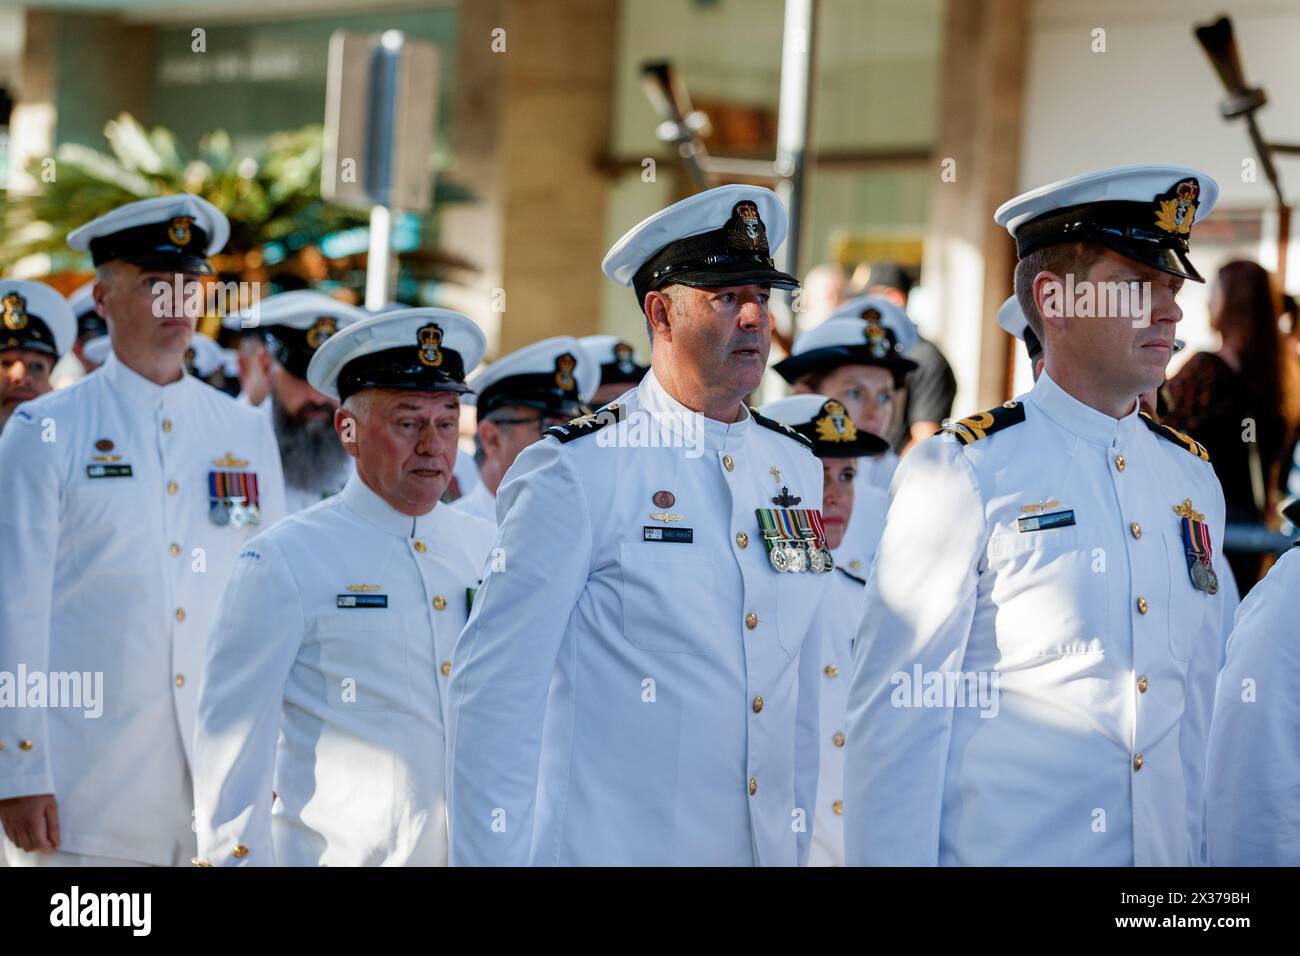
(877, 334)
(745, 228)
(325, 327)
(1176, 209)
(564, 366)
(430, 339)
(179, 230)
(15, 312)
(834, 425)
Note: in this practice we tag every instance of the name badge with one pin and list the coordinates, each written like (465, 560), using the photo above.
(682, 535)
(108, 471)
(1057, 519)
(362, 600)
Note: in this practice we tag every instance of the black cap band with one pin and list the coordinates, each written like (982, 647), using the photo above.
(293, 348)
(833, 434)
(736, 254)
(33, 334)
(1154, 233)
(176, 244)
(538, 390)
(402, 368)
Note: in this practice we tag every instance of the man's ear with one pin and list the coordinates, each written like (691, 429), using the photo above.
(345, 425)
(97, 293)
(263, 360)
(1049, 299)
(489, 436)
(657, 308)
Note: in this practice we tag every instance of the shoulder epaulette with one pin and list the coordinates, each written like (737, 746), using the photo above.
(851, 576)
(986, 423)
(1187, 442)
(587, 424)
(776, 426)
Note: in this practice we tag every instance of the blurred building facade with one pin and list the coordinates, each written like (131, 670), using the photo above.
(926, 115)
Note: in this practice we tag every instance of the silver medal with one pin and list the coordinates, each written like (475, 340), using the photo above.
(217, 512)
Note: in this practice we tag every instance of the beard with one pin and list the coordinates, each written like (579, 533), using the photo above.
(310, 450)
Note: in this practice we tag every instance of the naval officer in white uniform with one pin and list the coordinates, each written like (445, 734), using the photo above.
(293, 325)
(857, 358)
(516, 399)
(638, 685)
(840, 445)
(128, 495)
(1047, 701)
(327, 673)
(1253, 773)
(37, 328)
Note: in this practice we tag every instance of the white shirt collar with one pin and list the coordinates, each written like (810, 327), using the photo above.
(718, 436)
(374, 510)
(137, 389)
(1080, 419)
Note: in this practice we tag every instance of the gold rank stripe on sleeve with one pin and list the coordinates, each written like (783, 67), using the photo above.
(979, 426)
(1174, 435)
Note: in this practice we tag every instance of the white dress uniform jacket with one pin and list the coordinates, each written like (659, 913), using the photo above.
(479, 503)
(326, 680)
(620, 700)
(114, 568)
(844, 608)
(1253, 776)
(1093, 748)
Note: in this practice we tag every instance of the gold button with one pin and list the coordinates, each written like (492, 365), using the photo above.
(1136, 529)
(838, 808)
(180, 680)
(838, 738)
(855, 565)
(167, 424)
(240, 851)
(753, 786)
(421, 547)
(742, 540)
(1119, 462)
(1143, 684)
(1137, 762)
(728, 462)
(1142, 605)
(446, 668)
(439, 602)
(199, 861)
(832, 671)
(758, 705)
(171, 487)
(2, 745)
(24, 745)
(174, 550)
(180, 614)
(751, 620)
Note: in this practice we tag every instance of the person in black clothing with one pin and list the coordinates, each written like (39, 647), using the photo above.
(1238, 401)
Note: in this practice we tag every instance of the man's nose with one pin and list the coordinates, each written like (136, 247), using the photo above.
(754, 315)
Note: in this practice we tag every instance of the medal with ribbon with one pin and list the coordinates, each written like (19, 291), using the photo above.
(233, 496)
(794, 539)
(1196, 542)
